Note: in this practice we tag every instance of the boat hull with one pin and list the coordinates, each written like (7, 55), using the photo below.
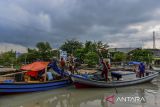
(81, 82)
(7, 88)
(156, 69)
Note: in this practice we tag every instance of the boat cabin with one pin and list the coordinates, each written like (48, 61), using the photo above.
(123, 75)
(34, 72)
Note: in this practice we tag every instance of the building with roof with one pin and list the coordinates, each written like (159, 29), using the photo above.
(124, 50)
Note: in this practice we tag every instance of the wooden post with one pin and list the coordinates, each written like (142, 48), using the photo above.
(45, 75)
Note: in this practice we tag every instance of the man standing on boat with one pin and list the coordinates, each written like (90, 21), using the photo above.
(104, 70)
(62, 64)
(141, 69)
(71, 63)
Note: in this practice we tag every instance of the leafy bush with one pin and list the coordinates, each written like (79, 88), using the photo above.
(91, 58)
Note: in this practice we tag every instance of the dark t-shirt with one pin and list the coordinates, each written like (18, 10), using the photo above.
(141, 68)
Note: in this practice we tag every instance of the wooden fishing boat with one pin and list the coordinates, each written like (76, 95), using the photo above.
(6, 88)
(10, 86)
(83, 82)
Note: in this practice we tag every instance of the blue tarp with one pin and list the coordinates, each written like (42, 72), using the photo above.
(134, 63)
(57, 69)
(50, 77)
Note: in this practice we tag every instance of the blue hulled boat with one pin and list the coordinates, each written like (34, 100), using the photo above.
(7, 87)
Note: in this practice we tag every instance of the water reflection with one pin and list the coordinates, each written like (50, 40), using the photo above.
(71, 97)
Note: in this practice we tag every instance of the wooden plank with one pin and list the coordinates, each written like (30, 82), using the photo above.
(7, 70)
(11, 74)
(45, 75)
(5, 78)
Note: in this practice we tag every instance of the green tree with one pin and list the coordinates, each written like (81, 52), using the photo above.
(80, 53)
(101, 45)
(31, 56)
(141, 55)
(91, 58)
(103, 48)
(119, 56)
(22, 58)
(89, 52)
(43, 52)
(90, 46)
(8, 58)
(43, 47)
(71, 46)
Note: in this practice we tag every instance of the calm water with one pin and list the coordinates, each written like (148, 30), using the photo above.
(71, 97)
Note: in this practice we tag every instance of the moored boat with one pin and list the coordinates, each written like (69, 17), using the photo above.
(12, 86)
(7, 88)
(83, 82)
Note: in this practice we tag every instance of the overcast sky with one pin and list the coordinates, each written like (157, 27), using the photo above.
(121, 23)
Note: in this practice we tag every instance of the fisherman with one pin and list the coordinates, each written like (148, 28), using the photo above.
(62, 64)
(135, 69)
(141, 70)
(75, 67)
(104, 69)
(71, 63)
(108, 65)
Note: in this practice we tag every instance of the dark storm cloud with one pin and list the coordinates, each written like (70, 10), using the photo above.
(26, 22)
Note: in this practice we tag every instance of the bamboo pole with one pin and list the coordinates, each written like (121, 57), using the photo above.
(12, 74)
(45, 75)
